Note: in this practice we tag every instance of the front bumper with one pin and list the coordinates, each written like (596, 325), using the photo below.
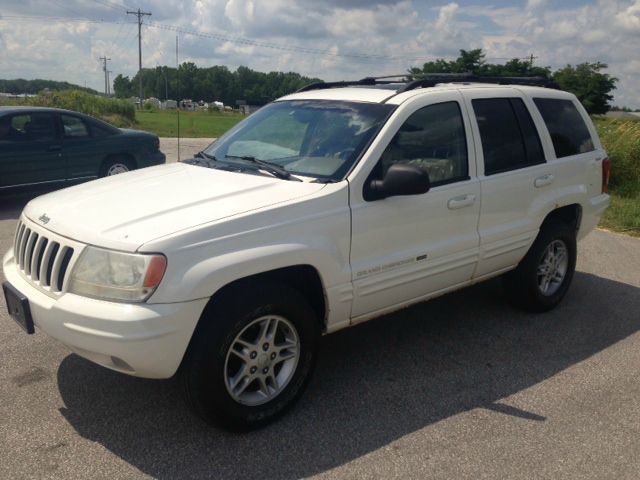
(156, 158)
(145, 340)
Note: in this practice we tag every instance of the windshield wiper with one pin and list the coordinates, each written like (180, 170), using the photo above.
(202, 158)
(272, 168)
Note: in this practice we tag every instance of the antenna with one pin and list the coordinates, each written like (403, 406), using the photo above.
(178, 94)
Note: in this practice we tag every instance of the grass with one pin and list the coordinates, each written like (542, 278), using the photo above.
(164, 123)
(621, 140)
(80, 102)
(623, 215)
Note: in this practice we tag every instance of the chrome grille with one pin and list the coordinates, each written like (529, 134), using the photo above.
(42, 259)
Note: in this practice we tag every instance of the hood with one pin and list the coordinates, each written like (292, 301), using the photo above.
(127, 210)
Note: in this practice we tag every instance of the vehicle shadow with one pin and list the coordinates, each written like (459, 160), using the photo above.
(374, 384)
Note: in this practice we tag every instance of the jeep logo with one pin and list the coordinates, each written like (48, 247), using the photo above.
(44, 219)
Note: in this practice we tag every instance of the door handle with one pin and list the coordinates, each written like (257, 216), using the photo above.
(54, 148)
(543, 180)
(461, 201)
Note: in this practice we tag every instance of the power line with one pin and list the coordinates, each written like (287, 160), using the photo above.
(140, 14)
(112, 5)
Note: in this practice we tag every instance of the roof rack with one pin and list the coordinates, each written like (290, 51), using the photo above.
(431, 80)
(367, 81)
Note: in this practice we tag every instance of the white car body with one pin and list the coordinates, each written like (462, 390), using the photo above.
(216, 227)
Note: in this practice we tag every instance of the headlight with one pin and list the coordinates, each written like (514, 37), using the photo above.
(118, 276)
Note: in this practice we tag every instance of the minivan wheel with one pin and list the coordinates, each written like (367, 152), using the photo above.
(251, 356)
(544, 275)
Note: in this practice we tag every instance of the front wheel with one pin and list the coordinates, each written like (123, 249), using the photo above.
(544, 275)
(251, 356)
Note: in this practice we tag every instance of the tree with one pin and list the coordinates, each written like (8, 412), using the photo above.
(122, 86)
(586, 82)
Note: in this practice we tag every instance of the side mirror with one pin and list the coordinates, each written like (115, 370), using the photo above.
(400, 179)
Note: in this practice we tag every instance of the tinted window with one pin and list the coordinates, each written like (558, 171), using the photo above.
(98, 130)
(74, 127)
(8, 131)
(509, 137)
(432, 138)
(568, 131)
(30, 127)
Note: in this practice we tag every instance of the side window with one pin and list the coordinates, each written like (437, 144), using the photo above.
(509, 137)
(433, 139)
(12, 128)
(99, 131)
(566, 126)
(73, 127)
(38, 127)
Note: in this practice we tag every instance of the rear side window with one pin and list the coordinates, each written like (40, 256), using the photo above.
(98, 130)
(566, 126)
(509, 137)
(74, 127)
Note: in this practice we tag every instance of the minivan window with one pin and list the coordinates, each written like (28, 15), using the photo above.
(509, 137)
(569, 133)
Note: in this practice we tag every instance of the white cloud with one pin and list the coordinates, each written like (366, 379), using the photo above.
(393, 34)
(629, 19)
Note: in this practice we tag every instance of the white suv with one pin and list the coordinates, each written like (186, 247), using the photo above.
(322, 210)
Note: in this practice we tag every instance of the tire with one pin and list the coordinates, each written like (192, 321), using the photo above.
(228, 340)
(114, 166)
(544, 275)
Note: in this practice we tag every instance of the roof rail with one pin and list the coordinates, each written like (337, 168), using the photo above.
(432, 79)
(348, 83)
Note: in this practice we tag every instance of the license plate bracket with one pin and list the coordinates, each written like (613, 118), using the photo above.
(18, 307)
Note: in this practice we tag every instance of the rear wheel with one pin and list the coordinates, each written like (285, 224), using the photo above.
(251, 357)
(544, 275)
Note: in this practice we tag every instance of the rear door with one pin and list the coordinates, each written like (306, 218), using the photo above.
(82, 150)
(31, 153)
(514, 176)
(405, 248)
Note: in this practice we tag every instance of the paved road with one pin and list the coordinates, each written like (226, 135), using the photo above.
(188, 147)
(461, 387)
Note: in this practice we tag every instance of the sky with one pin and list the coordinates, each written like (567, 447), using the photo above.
(329, 39)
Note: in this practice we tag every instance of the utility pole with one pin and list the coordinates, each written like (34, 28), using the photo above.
(108, 83)
(531, 58)
(106, 74)
(139, 14)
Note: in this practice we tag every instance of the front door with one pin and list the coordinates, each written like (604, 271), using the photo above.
(406, 248)
(30, 150)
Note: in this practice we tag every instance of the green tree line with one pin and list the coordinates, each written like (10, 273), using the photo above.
(213, 83)
(20, 86)
(585, 80)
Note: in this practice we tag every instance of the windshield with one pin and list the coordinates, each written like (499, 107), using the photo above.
(311, 138)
